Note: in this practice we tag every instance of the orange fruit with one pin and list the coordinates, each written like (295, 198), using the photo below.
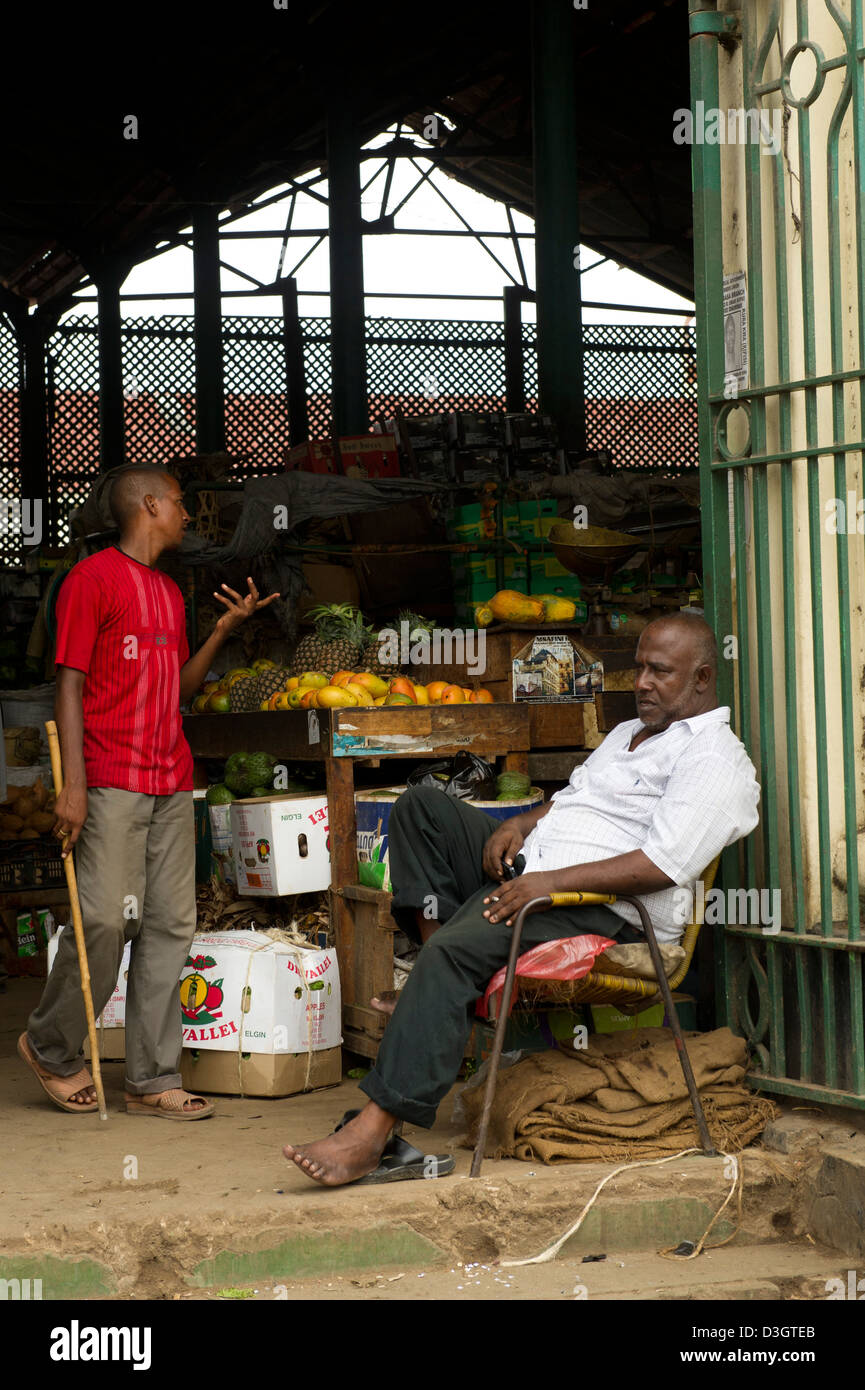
(481, 697)
(435, 690)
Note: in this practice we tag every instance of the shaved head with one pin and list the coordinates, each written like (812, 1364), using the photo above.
(690, 625)
(130, 488)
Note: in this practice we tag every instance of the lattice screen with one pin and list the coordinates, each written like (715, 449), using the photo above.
(10, 436)
(641, 393)
(256, 407)
(158, 388)
(640, 388)
(72, 373)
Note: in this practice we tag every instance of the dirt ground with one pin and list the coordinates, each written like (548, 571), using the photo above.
(150, 1200)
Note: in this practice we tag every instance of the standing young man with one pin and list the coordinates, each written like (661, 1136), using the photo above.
(123, 670)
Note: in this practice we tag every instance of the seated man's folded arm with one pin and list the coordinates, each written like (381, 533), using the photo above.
(633, 872)
(709, 803)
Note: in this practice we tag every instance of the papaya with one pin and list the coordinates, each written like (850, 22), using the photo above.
(558, 610)
(512, 607)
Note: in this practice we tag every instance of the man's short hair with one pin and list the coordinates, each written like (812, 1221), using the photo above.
(705, 644)
(130, 488)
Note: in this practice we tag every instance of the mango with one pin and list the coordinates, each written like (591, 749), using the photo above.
(334, 697)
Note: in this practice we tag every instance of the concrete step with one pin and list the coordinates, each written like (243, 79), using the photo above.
(737, 1273)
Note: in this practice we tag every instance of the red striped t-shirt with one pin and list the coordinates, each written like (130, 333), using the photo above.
(122, 624)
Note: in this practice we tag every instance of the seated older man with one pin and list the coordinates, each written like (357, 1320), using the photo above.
(644, 814)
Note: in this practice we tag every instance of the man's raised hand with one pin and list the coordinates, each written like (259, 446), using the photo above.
(239, 608)
(503, 844)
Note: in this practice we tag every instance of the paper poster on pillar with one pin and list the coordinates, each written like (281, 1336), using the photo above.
(736, 376)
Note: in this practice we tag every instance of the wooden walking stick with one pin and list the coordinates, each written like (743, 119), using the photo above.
(78, 928)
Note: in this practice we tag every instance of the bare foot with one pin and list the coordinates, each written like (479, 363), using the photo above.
(386, 1002)
(86, 1096)
(349, 1154)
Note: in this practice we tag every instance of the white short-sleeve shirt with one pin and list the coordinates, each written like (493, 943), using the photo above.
(681, 797)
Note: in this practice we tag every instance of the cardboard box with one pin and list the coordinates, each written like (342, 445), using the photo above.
(281, 844)
(531, 434)
(477, 429)
(369, 455)
(425, 432)
(259, 1005)
(313, 456)
(552, 669)
(328, 584)
(114, 1013)
(256, 1074)
(242, 990)
(222, 842)
(477, 521)
(111, 1043)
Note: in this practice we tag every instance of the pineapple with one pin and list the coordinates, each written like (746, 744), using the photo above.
(370, 660)
(336, 643)
(242, 694)
(267, 683)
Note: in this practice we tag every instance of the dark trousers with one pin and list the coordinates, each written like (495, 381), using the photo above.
(436, 845)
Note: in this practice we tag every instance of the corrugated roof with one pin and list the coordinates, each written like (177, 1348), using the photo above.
(235, 108)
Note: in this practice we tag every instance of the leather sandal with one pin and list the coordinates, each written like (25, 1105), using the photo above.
(58, 1088)
(168, 1105)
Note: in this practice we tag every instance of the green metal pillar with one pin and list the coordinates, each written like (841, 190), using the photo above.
(557, 220)
(108, 277)
(348, 337)
(209, 404)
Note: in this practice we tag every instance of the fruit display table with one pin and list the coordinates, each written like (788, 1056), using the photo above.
(342, 738)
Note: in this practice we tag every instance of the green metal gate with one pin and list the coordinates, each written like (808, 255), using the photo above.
(780, 290)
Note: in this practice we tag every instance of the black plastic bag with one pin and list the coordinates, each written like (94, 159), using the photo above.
(465, 776)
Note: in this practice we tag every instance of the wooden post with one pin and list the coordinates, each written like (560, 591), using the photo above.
(339, 774)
